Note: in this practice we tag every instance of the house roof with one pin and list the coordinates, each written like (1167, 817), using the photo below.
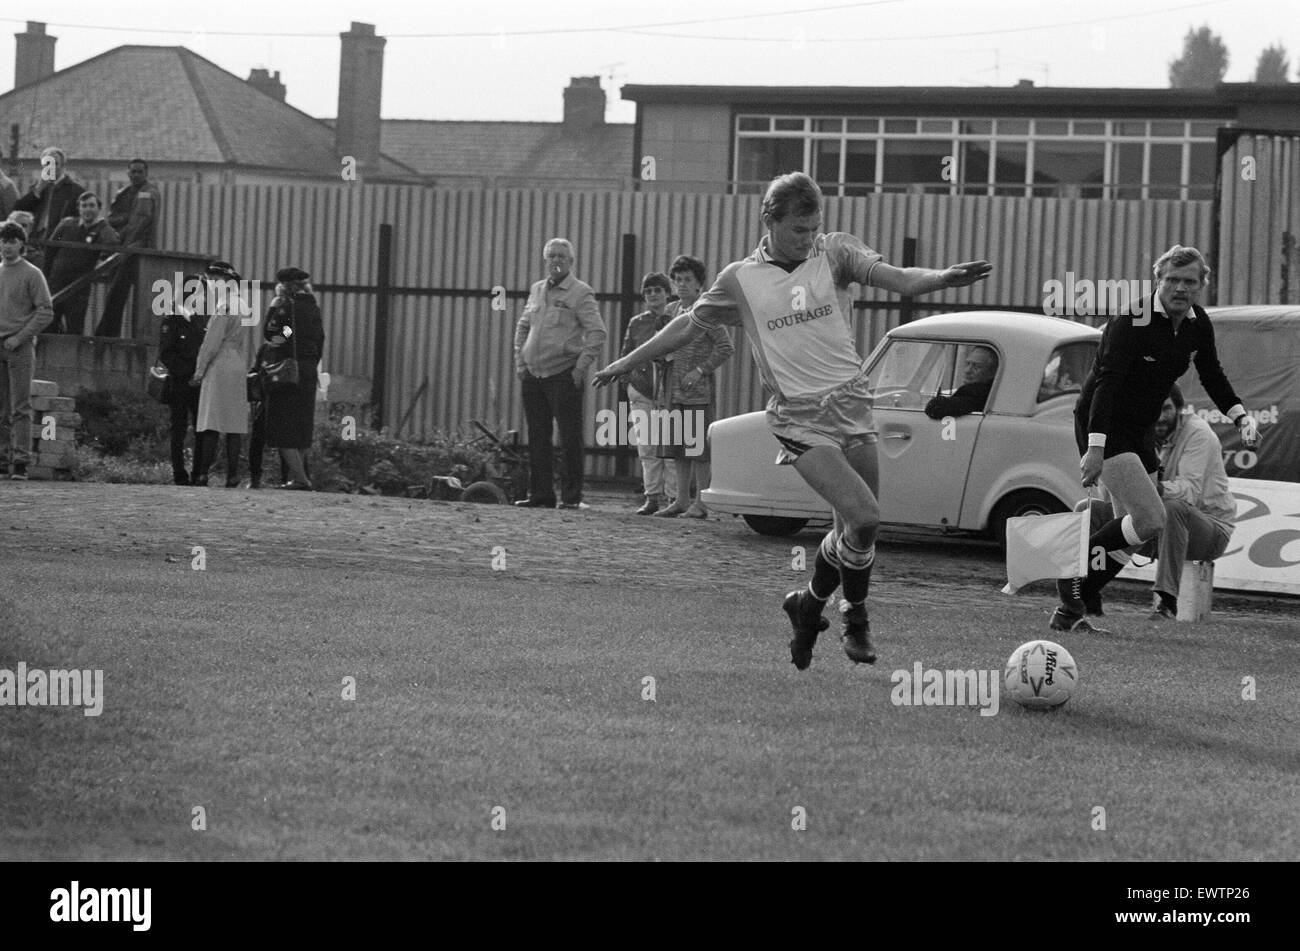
(531, 150)
(168, 104)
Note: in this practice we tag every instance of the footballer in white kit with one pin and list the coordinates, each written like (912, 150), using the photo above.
(792, 297)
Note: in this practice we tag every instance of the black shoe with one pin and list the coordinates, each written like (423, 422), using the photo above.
(805, 613)
(181, 478)
(255, 483)
(573, 505)
(19, 472)
(1070, 591)
(857, 635)
(651, 506)
(1064, 619)
(293, 486)
(1164, 608)
(535, 504)
(200, 482)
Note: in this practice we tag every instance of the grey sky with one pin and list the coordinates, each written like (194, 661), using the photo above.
(512, 71)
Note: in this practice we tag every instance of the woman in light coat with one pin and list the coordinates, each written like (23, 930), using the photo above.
(221, 370)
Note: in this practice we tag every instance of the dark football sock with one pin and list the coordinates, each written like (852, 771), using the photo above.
(855, 571)
(1110, 537)
(826, 569)
(1098, 578)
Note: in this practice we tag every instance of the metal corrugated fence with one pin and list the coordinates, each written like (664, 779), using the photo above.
(1259, 228)
(451, 353)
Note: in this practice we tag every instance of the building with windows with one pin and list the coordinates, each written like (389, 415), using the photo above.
(1019, 141)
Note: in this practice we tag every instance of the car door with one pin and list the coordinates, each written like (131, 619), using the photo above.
(923, 461)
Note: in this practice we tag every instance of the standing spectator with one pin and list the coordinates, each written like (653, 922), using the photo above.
(25, 309)
(641, 386)
(8, 195)
(52, 197)
(557, 340)
(689, 389)
(134, 214)
(221, 369)
(66, 265)
(294, 327)
(179, 343)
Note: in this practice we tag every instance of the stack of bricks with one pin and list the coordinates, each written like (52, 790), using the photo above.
(54, 431)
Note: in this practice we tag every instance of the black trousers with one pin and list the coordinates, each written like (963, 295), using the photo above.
(110, 325)
(554, 400)
(185, 414)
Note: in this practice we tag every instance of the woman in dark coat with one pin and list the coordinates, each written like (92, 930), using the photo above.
(294, 321)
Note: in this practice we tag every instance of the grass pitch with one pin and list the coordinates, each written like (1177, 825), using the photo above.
(506, 714)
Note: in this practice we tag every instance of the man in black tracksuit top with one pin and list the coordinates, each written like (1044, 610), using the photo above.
(1139, 359)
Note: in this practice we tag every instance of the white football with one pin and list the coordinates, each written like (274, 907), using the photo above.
(1041, 675)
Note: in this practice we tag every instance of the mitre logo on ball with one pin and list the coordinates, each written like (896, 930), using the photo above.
(1041, 675)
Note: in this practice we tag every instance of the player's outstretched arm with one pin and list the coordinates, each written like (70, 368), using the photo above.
(678, 332)
(911, 281)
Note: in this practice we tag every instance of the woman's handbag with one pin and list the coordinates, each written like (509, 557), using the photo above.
(254, 385)
(159, 385)
(283, 374)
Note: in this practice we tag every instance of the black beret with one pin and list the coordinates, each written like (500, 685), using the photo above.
(287, 275)
(222, 269)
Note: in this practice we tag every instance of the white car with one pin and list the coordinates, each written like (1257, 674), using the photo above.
(965, 473)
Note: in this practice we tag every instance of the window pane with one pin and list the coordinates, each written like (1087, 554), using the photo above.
(1090, 128)
(914, 162)
(936, 125)
(1069, 166)
(1204, 165)
(1066, 370)
(1011, 162)
(788, 125)
(761, 160)
(860, 167)
(1207, 130)
(1051, 127)
(973, 167)
(1130, 128)
(978, 127)
(753, 123)
(828, 125)
(910, 372)
(1168, 128)
(863, 125)
(826, 163)
(1126, 169)
(1166, 170)
(900, 125)
(1013, 127)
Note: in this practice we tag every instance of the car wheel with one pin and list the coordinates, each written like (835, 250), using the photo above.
(488, 493)
(774, 524)
(1018, 505)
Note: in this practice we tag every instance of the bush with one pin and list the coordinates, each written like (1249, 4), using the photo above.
(389, 465)
(91, 466)
(115, 421)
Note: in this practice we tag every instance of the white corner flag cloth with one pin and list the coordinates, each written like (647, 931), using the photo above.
(1047, 546)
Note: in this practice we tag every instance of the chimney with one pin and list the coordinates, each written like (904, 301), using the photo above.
(1025, 84)
(263, 80)
(584, 103)
(361, 80)
(34, 57)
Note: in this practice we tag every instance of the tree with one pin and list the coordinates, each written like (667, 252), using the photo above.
(1203, 63)
(1273, 65)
